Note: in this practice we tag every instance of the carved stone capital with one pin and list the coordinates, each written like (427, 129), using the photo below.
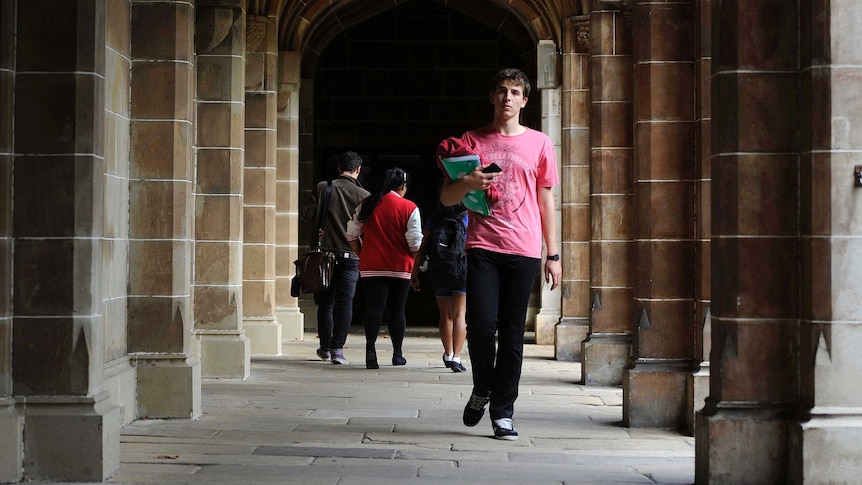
(255, 33)
(582, 36)
(212, 25)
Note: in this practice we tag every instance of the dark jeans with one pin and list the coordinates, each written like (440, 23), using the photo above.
(335, 305)
(390, 294)
(498, 290)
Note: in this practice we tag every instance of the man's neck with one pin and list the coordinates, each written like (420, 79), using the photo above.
(352, 175)
(508, 126)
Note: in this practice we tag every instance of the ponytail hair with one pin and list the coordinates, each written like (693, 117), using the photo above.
(393, 179)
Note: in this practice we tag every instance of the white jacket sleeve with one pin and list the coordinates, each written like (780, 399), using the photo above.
(414, 231)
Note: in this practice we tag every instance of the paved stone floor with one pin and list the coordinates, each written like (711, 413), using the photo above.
(298, 420)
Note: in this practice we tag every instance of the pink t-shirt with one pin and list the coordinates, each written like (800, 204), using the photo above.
(528, 162)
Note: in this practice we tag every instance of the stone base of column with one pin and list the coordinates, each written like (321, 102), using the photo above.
(569, 335)
(292, 323)
(225, 355)
(264, 334)
(825, 449)
(122, 385)
(169, 386)
(654, 395)
(697, 390)
(546, 323)
(71, 438)
(604, 356)
(741, 445)
(11, 442)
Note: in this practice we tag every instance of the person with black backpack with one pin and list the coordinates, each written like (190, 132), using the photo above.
(443, 246)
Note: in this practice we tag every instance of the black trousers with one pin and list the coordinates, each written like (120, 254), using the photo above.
(498, 291)
(389, 295)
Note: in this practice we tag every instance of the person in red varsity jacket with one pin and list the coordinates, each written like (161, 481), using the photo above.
(386, 233)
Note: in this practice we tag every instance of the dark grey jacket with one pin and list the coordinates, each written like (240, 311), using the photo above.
(347, 193)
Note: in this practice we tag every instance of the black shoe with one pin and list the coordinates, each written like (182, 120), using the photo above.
(457, 367)
(324, 354)
(504, 429)
(398, 360)
(371, 360)
(475, 409)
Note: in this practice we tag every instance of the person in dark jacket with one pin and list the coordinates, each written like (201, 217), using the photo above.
(335, 305)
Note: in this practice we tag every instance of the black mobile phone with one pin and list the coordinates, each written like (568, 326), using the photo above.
(493, 168)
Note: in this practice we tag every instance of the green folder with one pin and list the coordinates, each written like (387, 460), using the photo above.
(458, 167)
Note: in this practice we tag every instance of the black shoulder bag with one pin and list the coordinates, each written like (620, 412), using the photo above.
(314, 269)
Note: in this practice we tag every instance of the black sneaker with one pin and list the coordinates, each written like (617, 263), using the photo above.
(371, 360)
(457, 367)
(475, 409)
(398, 360)
(504, 429)
(324, 354)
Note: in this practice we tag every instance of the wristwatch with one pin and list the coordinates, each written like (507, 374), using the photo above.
(553, 257)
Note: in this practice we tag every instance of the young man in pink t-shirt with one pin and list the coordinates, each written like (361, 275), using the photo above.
(504, 249)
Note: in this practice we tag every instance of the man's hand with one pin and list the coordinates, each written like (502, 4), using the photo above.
(553, 273)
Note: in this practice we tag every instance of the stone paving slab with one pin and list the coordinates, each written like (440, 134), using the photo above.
(298, 420)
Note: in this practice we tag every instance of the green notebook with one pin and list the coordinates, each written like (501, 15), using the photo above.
(458, 167)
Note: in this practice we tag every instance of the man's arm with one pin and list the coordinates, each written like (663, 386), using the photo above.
(553, 269)
(453, 191)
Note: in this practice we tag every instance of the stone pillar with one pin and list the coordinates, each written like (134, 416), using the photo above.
(697, 385)
(220, 47)
(550, 302)
(161, 211)
(259, 318)
(306, 185)
(287, 196)
(824, 447)
(654, 393)
(120, 372)
(605, 352)
(575, 189)
(70, 430)
(11, 422)
(742, 432)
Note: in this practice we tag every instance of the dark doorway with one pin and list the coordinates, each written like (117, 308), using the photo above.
(394, 86)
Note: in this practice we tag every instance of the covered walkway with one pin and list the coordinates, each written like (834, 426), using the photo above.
(298, 420)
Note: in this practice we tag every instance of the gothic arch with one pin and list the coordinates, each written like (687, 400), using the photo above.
(305, 25)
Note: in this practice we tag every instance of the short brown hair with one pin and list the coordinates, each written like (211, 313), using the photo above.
(512, 74)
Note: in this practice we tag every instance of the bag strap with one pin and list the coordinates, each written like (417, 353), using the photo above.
(324, 213)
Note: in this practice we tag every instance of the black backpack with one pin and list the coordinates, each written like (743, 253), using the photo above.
(447, 261)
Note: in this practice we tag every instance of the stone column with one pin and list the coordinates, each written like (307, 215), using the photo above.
(57, 332)
(11, 422)
(575, 189)
(306, 184)
(697, 385)
(825, 446)
(742, 432)
(550, 302)
(261, 93)
(120, 372)
(161, 211)
(605, 352)
(654, 393)
(287, 196)
(220, 46)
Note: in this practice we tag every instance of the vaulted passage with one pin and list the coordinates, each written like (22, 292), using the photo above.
(155, 157)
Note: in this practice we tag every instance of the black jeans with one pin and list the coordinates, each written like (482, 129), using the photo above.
(498, 291)
(390, 294)
(335, 305)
